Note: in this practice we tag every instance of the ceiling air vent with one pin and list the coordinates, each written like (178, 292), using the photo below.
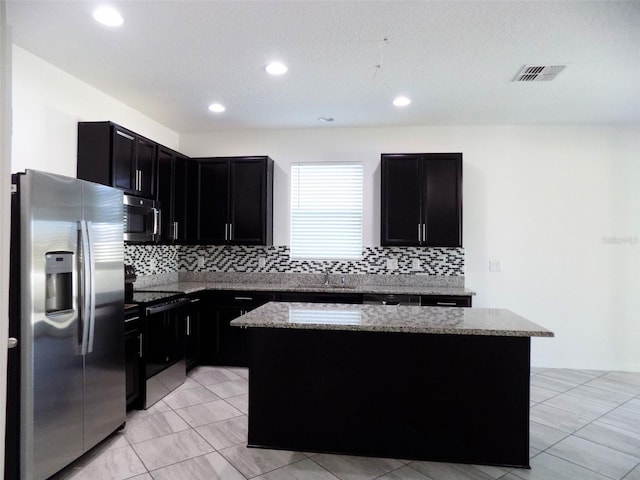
(538, 73)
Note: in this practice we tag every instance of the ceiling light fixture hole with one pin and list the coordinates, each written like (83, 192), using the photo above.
(276, 68)
(108, 16)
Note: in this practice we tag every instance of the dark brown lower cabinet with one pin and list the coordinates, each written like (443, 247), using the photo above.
(220, 343)
(133, 363)
(192, 333)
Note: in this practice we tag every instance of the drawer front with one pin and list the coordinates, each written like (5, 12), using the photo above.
(246, 300)
(446, 300)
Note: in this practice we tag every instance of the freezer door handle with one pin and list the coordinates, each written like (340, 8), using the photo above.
(84, 293)
(12, 343)
(92, 288)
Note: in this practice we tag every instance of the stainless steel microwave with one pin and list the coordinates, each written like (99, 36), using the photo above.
(141, 220)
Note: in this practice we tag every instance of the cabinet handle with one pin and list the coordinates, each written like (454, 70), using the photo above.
(188, 332)
(140, 187)
(419, 237)
(122, 134)
(230, 231)
(247, 299)
(447, 304)
(226, 226)
(140, 346)
(175, 231)
(424, 232)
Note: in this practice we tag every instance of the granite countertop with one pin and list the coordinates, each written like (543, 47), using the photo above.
(193, 287)
(383, 318)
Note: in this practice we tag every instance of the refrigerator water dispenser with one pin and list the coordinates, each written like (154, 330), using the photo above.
(59, 282)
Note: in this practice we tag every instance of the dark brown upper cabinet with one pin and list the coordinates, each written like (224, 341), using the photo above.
(112, 155)
(175, 196)
(235, 200)
(421, 199)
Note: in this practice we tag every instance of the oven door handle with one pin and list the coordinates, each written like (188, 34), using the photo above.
(166, 306)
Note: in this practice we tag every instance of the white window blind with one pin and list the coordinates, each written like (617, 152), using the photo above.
(326, 210)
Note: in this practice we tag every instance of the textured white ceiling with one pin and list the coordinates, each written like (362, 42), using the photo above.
(455, 60)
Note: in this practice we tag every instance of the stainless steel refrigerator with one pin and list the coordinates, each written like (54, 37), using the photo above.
(66, 389)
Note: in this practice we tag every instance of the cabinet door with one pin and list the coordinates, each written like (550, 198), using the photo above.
(442, 200)
(145, 167)
(213, 201)
(191, 201)
(133, 366)
(192, 334)
(164, 193)
(180, 199)
(248, 201)
(231, 341)
(124, 154)
(401, 193)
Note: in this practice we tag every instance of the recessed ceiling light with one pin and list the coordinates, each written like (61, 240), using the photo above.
(216, 108)
(401, 101)
(276, 68)
(108, 16)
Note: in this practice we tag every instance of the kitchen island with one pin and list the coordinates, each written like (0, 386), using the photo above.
(427, 383)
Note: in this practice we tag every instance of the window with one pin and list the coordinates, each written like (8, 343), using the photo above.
(326, 211)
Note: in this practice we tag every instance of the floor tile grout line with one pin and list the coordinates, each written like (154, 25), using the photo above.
(630, 471)
(415, 470)
(574, 433)
(585, 467)
(141, 462)
(284, 466)
(606, 423)
(592, 400)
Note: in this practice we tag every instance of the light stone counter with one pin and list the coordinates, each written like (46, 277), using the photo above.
(382, 318)
(361, 284)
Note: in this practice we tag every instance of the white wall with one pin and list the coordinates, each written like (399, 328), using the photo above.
(47, 105)
(5, 196)
(539, 199)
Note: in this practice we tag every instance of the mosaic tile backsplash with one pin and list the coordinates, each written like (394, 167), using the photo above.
(158, 259)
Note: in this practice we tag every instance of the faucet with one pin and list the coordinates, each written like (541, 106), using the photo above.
(326, 278)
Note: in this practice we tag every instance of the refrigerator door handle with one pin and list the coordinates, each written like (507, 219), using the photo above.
(84, 294)
(92, 288)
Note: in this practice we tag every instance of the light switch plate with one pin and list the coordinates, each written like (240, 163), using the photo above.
(152, 264)
(494, 266)
(262, 261)
(392, 264)
(415, 264)
(200, 261)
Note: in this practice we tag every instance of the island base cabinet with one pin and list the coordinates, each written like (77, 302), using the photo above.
(450, 398)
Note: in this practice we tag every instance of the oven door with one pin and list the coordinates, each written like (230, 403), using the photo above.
(164, 337)
(141, 220)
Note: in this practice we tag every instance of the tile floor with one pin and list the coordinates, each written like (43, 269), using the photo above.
(585, 425)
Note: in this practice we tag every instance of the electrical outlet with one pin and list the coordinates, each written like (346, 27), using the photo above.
(200, 261)
(415, 264)
(494, 266)
(152, 264)
(262, 262)
(392, 264)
